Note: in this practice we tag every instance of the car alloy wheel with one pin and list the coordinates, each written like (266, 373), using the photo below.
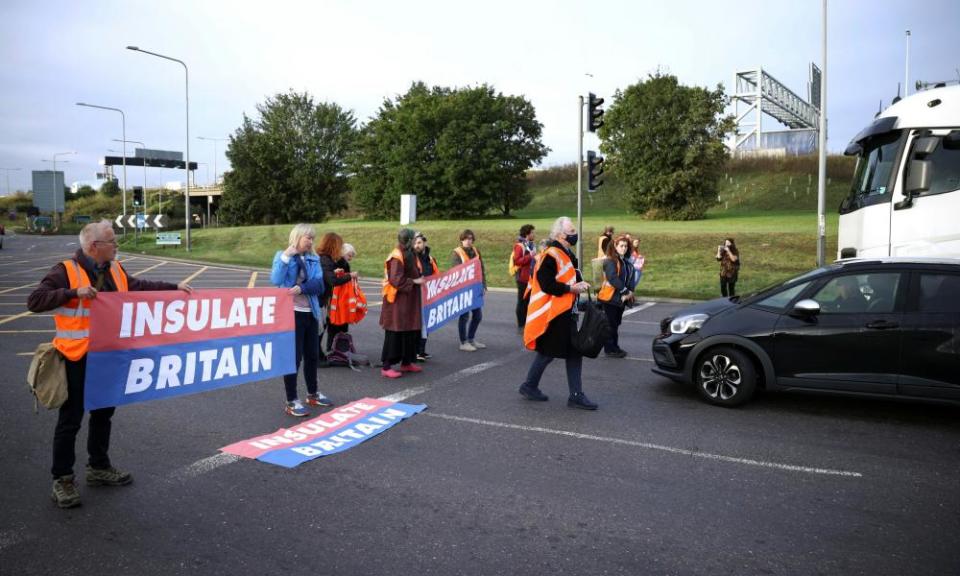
(725, 376)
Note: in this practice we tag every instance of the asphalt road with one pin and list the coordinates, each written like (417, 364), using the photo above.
(483, 482)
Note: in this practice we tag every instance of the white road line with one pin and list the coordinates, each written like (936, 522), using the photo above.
(12, 318)
(203, 466)
(636, 309)
(31, 285)
(649, 446)
(194, 275)
(145, 270)
(638, 359)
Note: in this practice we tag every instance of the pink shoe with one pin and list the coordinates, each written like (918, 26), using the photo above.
(390, 373)
(410, 368)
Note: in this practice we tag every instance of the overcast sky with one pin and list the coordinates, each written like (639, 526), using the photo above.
(357, 53)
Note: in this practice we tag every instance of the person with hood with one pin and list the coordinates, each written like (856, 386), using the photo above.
(400, 315)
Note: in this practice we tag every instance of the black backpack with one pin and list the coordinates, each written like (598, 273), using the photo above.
(342, 353)
(591, 329)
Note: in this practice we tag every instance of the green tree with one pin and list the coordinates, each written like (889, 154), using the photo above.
(110, 189)
(84, 191)
(289, 162)
(463, 152)
(665, 141)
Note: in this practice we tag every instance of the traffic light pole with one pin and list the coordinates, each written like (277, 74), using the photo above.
(580, 181)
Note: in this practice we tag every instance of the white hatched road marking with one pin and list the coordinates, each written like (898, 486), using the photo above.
(636, 309)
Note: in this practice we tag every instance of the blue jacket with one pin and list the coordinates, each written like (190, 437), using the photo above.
(284, 275)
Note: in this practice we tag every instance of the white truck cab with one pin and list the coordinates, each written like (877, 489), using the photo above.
(905, 196)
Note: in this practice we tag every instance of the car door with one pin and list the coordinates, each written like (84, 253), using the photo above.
(931, 336)
(853, 344)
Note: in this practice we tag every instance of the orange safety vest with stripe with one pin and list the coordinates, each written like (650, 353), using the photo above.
(389, 290)
(348, 304)
(545, 307)
(463, 254)
(73, 318)
(606, 289)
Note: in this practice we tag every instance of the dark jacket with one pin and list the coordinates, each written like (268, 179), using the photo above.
(618, 281)
(523, 260)
(54, 290)
(330, 279)
(426, 263)
(555, 342)
(404, 313)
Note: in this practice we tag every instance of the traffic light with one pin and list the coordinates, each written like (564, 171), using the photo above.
(138, 195)
(594, 171)
(594, 112)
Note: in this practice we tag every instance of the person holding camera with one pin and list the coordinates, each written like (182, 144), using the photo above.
(729, 258)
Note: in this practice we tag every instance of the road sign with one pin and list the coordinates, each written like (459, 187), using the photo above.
(140, 221)
(168, 238)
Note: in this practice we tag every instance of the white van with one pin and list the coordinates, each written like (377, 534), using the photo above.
(905, 197)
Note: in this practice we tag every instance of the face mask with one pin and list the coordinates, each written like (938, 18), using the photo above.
(572, 239)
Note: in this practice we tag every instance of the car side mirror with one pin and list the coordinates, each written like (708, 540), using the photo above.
(806, 308)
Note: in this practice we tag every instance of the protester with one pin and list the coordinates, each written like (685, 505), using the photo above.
(336, 272)
(729, 257)
(637, 262)
(524, 254)
(66, 289)
(604, 241)
(615, 293)
(466, 251)
(428, 267)
(400, 311)
(298, 268)
(554, 288)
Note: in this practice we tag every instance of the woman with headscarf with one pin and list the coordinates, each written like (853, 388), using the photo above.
(400, 311)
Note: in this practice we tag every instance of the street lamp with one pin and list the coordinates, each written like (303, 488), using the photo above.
(186, 72)
(144, 162)
(55, 180)
(123, 119)
(214, 140)
(8, 171)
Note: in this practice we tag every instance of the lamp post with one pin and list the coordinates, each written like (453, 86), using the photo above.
(123, 119)
(8, 171)
(822, 152)
(54, 160)
(186, 72)
(214, 140)
(144, 162)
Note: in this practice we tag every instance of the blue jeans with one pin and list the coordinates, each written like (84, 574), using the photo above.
(307, 337)
(574, 370)
(474, 324)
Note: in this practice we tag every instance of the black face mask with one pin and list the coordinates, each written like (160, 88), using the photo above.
(572, 239)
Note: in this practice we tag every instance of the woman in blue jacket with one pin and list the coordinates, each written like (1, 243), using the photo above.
(298, 268)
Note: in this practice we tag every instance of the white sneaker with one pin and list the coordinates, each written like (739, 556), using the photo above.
(478, 345)
(468, 347)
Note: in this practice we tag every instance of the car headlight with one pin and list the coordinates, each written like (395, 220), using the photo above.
(687, 324)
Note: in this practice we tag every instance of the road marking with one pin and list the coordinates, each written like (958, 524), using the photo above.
(24, 353)
(145, 270)
(253, 280)
(636, 309)
(217, 460)
(650, 446)
(26, 331)
(638, 359)
(12, 318)
(194, 275)
(31, 285)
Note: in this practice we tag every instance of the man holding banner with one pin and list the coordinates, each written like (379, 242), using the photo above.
(67, 290)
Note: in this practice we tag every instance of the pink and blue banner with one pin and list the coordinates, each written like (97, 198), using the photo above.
(451, 294)
(153, 345)
(335, 431)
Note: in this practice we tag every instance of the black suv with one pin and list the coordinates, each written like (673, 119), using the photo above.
(887, 327)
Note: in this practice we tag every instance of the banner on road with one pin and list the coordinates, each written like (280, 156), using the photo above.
(447, 296)
(338, 430)
(154, 345)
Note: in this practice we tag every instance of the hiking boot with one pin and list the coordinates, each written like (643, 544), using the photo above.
(581, 401)
(295, 408)
(319, 400)
(533, 394)
(389, 372)
(65, 493)
(421, 357)
(478, 345)
(467, 347)
(107, 477)
(410, 368)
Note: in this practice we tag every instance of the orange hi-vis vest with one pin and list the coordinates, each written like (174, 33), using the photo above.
(348, 304)
(73, 318)
(606, 289)
(389, 290)
(463, 254)
(545, 307)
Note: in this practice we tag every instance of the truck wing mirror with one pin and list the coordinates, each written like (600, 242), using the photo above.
(853, 149)
(918, 180)
(925, 146)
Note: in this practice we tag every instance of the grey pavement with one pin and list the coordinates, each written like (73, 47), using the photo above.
(483, 482)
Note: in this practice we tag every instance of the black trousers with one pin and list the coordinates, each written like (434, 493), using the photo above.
(614, 317)
(522, 304)
(68, 425)
(307, 341)
(399, 347)
(728, 286)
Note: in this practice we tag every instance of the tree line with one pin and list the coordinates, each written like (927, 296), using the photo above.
(464, 152)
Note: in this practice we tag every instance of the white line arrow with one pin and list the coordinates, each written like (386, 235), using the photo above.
(156, 221)
(119, 221)
(132, 221)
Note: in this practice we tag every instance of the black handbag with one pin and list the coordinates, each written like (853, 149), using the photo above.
(590, 328)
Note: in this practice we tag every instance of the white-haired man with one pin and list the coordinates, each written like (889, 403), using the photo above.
(554, 287)
(65, 288)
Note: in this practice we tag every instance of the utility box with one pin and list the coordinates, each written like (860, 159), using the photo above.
(408, 209)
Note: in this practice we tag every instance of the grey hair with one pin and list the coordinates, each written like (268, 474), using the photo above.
(91, 233)
(558, 225)
(348, 249)
(301, 230)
